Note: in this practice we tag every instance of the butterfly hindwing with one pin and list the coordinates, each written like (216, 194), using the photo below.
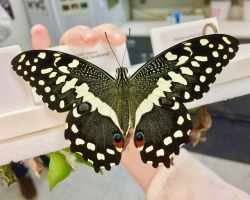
(90, 136)
(167, 131)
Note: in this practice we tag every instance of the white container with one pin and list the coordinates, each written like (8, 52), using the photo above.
(246, 11)
(220, 9)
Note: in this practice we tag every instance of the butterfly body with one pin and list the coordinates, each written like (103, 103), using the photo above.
(104, 112)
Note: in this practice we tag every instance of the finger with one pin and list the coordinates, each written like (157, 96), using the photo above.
(80, 36)
(40, 37)
(115, 36)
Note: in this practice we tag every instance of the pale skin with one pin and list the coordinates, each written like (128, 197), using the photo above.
(187, 179)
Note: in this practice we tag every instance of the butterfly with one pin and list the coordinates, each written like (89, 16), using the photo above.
(104, 112)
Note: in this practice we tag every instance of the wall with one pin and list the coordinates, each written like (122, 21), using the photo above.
(20, 29)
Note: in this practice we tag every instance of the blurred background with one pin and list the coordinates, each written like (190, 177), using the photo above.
(229, 137)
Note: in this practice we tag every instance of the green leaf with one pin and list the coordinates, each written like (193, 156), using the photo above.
(59, 169)
(6, 173)
(79, 159)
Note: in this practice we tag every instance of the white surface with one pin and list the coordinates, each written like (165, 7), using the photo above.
(239, 29)
(165, 37)
(10, 85)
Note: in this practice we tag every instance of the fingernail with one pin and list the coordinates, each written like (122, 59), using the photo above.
(88, 36)
(114, 35)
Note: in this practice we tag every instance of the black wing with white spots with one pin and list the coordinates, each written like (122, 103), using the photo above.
(61, 79)
(159, 88)
(66, 82)
(103, 109)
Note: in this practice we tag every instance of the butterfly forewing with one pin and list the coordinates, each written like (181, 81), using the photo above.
(186, 70)
(61, 79)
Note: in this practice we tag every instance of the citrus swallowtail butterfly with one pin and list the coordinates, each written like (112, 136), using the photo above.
(103, 109)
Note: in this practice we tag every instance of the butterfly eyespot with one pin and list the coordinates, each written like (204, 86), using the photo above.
(83, 107)
(165, 102)
(118, 141)
(139, 140)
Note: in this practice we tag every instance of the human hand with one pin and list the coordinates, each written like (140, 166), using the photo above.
(80, 36)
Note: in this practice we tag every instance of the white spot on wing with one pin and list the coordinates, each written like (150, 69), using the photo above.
(42, 55)
(178, 134)
(177, 78)
(62, 104)
(215, 54)
(168, 140)
(176, 106)
(75, 113)
(170, 56)
(74, 63)
(56, 60)
(69, 85)
(22, 58)
(202, 79)
(53, 75)
(91, 146)
(204, 42)
(64, 69)
(209, 70)
(226, 40)
(82, 90)
(46, 71)
(60, 79)
(195, 64)
(80, 141)
(27, 62)
(186, 95)
(47, 89)
(182, 60)
(100, 156)
(160, 152)
(148, 149)
(186, 70)
(201, 58)
(220, 46)
(188, 49)
(110, 151)
(52, 98)
(33, 68)
(197, 88)
(180, 120)
(164, 85)
(231, 50)
(41, 82)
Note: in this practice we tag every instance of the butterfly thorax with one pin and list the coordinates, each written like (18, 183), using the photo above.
(122, 109)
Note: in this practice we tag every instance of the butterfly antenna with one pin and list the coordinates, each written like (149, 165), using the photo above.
(112, 50)
(126, 47)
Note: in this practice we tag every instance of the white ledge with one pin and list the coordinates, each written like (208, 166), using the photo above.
(36, 130)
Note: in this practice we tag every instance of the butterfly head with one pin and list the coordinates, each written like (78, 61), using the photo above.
(122, 73)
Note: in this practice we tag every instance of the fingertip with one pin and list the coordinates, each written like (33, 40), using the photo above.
(81, 36)
(40, 33)
(114, 35)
